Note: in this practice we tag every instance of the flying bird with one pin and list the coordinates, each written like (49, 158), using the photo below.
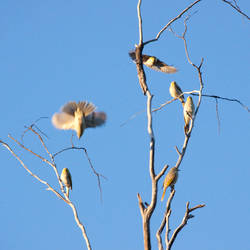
(78, 117)
(170, 180)
(154, 63)
(66, 179)
(188, 112)
(175, 91)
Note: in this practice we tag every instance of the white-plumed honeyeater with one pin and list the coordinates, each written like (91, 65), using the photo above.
(66, 179)
(175, 91)
(188, 112)
(154, 63)
(78, 117)
(170, 180)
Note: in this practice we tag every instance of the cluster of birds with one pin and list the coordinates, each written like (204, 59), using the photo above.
(77, 117)
(176, 92)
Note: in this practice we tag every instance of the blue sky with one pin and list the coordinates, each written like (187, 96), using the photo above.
(53, 52)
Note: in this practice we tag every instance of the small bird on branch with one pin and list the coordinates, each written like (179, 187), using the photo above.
(175, 91)
(188, 112)
(78, 117)
(170, 180)
(154, 63)
(66, 179)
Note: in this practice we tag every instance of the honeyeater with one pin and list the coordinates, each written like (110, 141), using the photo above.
(170, 180)
(78, 117)
(154, 63)
(175, 91)
(66, 179)
(188, 112)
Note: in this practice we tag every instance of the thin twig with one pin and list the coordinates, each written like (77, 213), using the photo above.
(185, 219)
(98, 175)
(236, 7)
(66, 199)
(164, 220)
(31, 173)
(34, 125)
(171, 21)
(226, 99)
(217, 114)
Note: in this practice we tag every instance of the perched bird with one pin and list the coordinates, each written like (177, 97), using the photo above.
(78, 117)
(170, 180)
(154, 63)
(188, 111)
(66, 179)
(175, 91)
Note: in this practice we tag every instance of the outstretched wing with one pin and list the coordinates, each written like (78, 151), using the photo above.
(95, 119)
(70, 108)
(163, 67)
(86, 107)
(63, 121)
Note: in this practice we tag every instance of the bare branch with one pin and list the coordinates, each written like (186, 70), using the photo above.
(34, 125)
(140, 22)
(236, 7)
(98, 175)
(66, 199)
(165, 220)
(171, 21)
(226, 99)
(185, 219)
(161, 173)
(31, 173)
(172, 100)
(217, 115)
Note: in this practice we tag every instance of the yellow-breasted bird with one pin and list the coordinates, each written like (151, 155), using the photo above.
(188, 112)
(170, 180)
(175, 91)
(78, 117)
(154, 63)
(66, 179)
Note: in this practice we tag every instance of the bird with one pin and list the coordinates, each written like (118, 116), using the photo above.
(78, 117)
(175, 91)
(188, 112)
(154, 63)
(66, 179)
(170, 180)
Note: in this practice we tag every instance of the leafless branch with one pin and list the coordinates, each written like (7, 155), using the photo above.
(172, 21)
(65, 198)
(164, 221)
(226, 99)
(185, 219)
(98, 175)
(237, 8)
(217, 115)
(34, 125)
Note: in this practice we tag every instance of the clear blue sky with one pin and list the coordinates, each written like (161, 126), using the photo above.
(56, 51)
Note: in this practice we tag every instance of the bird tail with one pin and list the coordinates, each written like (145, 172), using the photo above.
(164, 191)
(86, 107)
(67, 191)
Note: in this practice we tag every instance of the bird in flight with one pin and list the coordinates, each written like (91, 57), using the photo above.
(78, 117)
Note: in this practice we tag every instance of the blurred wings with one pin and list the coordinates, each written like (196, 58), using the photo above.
(95, 119)
(63, 121)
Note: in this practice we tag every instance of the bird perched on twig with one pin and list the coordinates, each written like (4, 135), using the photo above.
(78, 117)
(154, 63)
(66, 179)
(188, 112)
(170, 180)
(175, 91)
